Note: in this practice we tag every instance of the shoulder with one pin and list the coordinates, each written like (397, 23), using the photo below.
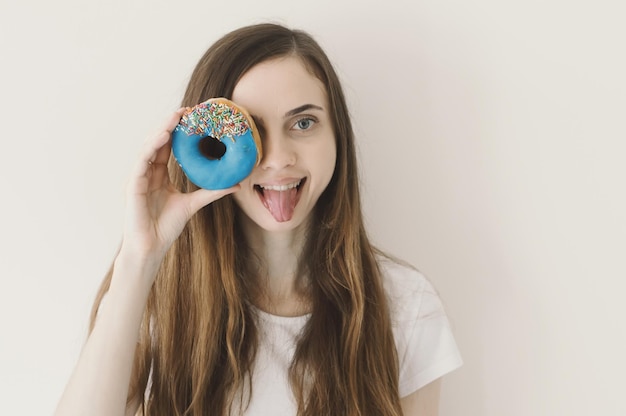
(410, 294)
(424, 340)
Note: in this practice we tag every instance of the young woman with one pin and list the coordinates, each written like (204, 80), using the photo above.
(254, 300)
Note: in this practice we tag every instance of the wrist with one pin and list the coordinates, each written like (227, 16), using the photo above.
(135, 267)
(136, 255)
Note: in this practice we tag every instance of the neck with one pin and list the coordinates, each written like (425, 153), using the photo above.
(279, 282)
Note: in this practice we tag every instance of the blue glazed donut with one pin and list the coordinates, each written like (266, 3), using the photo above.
(217, 144)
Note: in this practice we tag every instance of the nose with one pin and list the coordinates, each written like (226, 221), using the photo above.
(278, 152)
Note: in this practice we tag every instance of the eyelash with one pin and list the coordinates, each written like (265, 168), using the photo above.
(306, 118)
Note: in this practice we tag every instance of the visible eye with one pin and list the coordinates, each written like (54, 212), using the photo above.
(304, 123)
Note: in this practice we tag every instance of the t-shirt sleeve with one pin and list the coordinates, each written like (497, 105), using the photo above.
(424, 339)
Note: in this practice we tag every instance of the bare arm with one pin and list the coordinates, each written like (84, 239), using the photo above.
(423, 402)
(156, 213)
(99, 383)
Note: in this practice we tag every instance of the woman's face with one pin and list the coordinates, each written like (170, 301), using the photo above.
(290, 109)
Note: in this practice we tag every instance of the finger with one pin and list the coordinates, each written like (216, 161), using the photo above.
(172, 121)
(163, 154)
(157, 148)
(203, 197)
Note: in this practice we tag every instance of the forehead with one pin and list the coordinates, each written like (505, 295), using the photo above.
(278, 85)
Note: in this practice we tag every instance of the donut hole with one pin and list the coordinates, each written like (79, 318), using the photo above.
(211, 148)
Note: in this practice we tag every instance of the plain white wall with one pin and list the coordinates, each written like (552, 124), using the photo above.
(492, 140)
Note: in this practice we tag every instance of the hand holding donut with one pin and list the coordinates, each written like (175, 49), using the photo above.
(157, 212)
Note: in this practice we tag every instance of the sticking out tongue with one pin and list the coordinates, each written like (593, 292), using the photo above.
(281, 203)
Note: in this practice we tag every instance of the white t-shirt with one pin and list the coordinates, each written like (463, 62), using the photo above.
(424, 341)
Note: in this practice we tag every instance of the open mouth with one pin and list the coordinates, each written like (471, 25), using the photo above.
(280, 200)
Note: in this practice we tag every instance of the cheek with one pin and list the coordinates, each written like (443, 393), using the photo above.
(321, 160)
(330, 166)
(328, 160)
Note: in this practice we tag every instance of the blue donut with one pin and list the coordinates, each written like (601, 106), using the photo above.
(217, 144)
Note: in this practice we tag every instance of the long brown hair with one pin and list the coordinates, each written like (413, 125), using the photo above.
(198, 339)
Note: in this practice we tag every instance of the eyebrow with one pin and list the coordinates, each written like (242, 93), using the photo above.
(302, 108)
(259, 120)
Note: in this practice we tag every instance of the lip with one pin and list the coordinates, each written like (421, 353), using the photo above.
(280, 182)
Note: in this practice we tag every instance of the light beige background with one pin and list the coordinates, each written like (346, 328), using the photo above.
(492, 142)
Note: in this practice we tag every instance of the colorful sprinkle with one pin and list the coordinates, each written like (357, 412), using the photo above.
(214, 119)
